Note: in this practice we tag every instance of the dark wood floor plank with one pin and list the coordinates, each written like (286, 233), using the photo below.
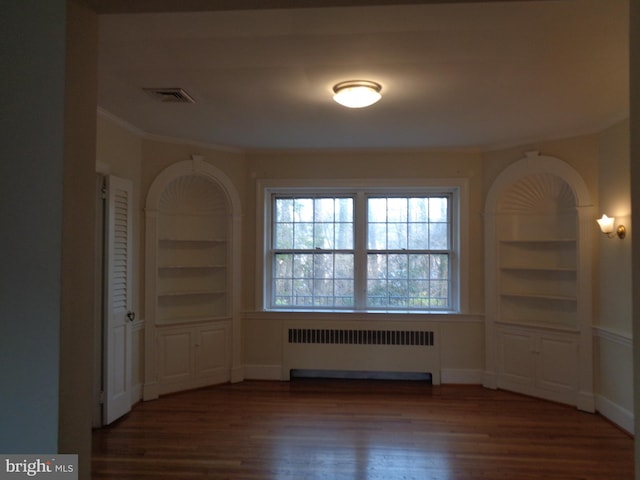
(375, 430)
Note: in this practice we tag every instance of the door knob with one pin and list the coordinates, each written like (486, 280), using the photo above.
(131, 316)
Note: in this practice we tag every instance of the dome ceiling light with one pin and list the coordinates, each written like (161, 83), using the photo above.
(357, 93)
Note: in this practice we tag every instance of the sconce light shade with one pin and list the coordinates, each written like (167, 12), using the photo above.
(606, 224)
(607, 227)
(357, 93)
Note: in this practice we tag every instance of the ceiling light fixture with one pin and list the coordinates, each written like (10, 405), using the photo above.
(357, 93)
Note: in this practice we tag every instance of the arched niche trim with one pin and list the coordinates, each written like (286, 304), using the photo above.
(185, 186)
(195, 166)
(534, 163)
(544, 186)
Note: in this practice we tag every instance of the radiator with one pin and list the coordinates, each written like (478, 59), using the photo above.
(362, 350)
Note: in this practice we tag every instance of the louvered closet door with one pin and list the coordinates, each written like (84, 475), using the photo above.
(117, 335)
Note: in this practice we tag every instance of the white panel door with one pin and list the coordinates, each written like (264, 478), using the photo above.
(118, 314)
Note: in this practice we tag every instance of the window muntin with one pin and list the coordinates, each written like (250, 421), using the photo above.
(402, 245)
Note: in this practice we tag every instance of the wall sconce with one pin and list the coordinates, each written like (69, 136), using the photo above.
(607, 227)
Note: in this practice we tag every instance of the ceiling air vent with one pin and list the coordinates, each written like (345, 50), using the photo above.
(170, 95)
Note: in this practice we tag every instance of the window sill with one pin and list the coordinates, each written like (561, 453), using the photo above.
(364, 312)
(361, 316)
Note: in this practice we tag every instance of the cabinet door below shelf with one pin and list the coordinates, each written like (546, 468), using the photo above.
(517, 365)
(539, 363)
(193, 356)
(557, 364)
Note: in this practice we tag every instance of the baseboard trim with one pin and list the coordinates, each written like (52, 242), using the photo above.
(237, 374)
(613, 336)
(461, 376)
(586, 402)
(615, 413)
(263, 372)
(489, 380)
(150, 391)
(136, 393)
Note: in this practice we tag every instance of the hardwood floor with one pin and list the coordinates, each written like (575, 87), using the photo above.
(376, 430)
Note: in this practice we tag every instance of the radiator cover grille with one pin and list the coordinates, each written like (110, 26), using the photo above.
(361, 337)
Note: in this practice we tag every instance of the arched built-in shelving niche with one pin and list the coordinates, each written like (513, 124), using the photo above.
(538, 282)
(192, 279)
(192, 273)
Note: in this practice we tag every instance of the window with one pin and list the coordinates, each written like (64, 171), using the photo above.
(360, 250)
(313, 252)
(408, 252)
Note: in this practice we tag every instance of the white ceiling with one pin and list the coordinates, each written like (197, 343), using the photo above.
(476, 75)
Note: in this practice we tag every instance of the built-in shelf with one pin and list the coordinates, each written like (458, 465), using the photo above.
(189, 319)
(192, 232)
(537, 241)
(539, 269)
(538, 276)
(192, 292)
(192, 253)
(537, 296)
(194, 267)
(167, 240)
(535, 325)
(537, 282)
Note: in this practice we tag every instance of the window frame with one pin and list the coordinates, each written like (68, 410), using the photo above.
(455, 188)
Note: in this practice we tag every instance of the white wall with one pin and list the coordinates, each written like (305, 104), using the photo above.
(603, 160)
(46, 286)
(635, 208)
(33, 42)
(262, 338)
(460, 337)
(78, 235)
(613, 319)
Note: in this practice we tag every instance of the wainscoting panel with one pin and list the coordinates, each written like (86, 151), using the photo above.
(614, 376)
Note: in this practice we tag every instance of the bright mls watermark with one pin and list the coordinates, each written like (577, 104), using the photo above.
(53, 467)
